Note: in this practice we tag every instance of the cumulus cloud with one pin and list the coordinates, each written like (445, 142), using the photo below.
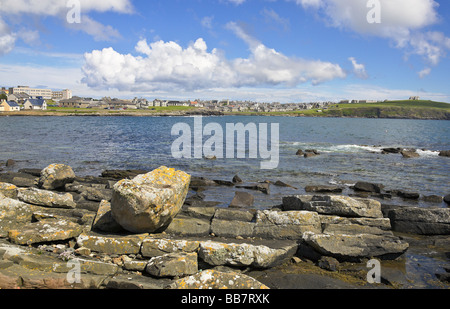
(167, 65)
(401, 21)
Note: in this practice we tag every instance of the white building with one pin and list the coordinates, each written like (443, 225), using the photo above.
(32, 92)
(62, 95)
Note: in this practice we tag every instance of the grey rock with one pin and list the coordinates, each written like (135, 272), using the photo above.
(368, 187)
(242, 199)
(350, 247)
(424, 221)
(56, 176)
(46, 198)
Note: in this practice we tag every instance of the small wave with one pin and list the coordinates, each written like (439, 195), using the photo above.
(427, 153)
(353, 148)
(341, 182)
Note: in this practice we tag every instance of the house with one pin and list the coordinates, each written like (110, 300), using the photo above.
(9, 106)
(35, 104)
(19, 98)
(75, 102)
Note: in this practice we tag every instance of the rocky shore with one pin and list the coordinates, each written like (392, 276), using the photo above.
(157, 230)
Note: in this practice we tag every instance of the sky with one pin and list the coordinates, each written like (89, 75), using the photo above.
(259, 50)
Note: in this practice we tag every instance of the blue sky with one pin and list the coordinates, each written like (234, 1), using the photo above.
(266, 50)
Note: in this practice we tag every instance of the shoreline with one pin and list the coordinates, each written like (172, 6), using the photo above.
(109, 113)
(426, 110)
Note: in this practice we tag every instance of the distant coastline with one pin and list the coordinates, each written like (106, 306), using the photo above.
(395, 109)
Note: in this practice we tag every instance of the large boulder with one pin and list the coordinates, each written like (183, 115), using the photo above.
(149, 202)
(56, 176)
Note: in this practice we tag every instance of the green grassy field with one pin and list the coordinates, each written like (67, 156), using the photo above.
(420, 109)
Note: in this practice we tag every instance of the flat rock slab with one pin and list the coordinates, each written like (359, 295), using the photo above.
(17, 277)
(159, 246)
(213, 279)
(246, 254)
(424, 221)
(347, 247)
(46, 198)
(173, 265)
(334, 205)
(285, 224)
(46, 230)
(111, 244)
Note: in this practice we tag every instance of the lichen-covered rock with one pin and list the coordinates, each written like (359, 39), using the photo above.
(159, 246)
(13, 214)
(46, 198)
(213, 279)
(111, 244)
(56, 176)
(245, 254)
(173, 265)
(149, 201)
(8, 190)
(285, 224)
(44, 231)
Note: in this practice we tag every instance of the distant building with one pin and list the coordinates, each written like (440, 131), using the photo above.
(46, 94)
(35, 104)
(75, 102)
(19, 98)
(415, 98)
(9, 106)
(62, 95)
(32, 92)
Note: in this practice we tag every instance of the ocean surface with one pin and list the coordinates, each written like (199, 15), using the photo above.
(350, 150)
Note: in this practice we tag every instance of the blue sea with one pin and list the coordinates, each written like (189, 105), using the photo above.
(350, 150)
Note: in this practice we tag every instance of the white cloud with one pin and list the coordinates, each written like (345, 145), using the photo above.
(358, 69)
(167, 65)
(236, 2)
(401, 21)
(57, 7)
(11, 9)
(7, 39)
(425, 72)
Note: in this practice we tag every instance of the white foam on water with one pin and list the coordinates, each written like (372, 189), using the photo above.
(427, 153)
